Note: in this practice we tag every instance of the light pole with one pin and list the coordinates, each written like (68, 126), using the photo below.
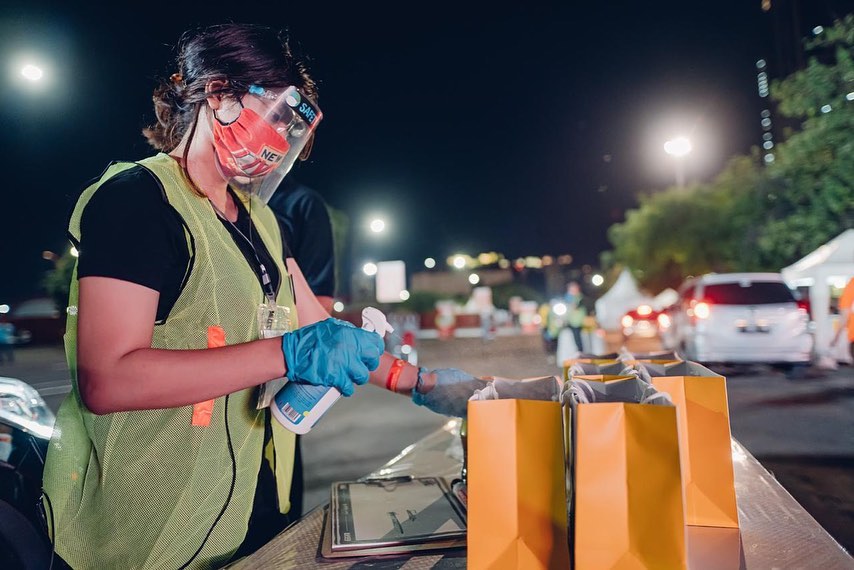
(679, 148)
(367, 238)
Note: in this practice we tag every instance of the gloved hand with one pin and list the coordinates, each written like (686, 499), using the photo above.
(450, 391)
(331, 353)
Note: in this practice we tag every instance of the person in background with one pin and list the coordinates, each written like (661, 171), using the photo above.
(7, 342)
(307, 237)
(846, 316)
(307, 233)
(576, 311)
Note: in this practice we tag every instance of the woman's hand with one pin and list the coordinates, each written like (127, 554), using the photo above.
(331, 353)
(446, 390)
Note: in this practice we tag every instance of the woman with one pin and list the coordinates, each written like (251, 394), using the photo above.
(161, 450)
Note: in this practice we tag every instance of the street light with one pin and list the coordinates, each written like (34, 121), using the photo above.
(597, 280)
(377, 225)
(32, 72)
(429, 263)
(369, 269)
(679, 148)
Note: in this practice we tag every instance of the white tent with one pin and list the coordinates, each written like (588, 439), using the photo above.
(621, 297)
(665, 299)
(832, 263)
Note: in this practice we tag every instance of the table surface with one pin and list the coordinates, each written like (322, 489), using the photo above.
(776, 531)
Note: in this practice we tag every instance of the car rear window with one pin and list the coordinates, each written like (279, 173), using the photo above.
(748, 293)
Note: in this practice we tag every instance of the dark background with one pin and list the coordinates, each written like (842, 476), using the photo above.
(524, 129)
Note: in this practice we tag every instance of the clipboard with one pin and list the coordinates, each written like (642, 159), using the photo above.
(376, 517)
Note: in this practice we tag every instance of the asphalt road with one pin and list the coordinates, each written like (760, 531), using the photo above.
(802, 430)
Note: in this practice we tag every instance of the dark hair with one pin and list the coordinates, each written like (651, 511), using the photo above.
(241, 55)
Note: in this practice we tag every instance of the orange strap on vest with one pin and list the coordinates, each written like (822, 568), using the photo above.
(203, 410)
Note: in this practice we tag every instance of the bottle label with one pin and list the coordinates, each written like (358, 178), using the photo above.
(296, 400)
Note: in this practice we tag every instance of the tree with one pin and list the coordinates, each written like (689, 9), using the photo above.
(810, 196)
(751, 218)
(689, 231)
(57, 281)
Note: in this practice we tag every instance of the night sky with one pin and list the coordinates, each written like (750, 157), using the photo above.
(522, 128)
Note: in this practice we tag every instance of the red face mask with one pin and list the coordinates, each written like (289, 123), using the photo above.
(248, 146)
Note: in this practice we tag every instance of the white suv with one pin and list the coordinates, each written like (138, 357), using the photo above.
(741, 318)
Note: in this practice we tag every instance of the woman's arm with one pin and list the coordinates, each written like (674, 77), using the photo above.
(310, 310)
(119, 371)
(444, 391)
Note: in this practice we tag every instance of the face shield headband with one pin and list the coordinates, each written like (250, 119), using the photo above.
(258, 140)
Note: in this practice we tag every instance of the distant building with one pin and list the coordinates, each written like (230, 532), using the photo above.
(786, 24)
(457, 282)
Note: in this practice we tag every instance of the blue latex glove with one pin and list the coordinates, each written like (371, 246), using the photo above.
(331, 353)
(450, 392)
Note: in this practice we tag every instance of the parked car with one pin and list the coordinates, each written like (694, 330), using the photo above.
(644, 322)
(741, 318)
(26, 424)
(37, 321)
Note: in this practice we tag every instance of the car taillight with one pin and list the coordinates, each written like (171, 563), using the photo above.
(804, 307)
(627, 321)
(644, 310)
(702, 310)
(663, 321)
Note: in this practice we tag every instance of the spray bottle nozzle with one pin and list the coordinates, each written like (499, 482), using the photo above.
(373, 320)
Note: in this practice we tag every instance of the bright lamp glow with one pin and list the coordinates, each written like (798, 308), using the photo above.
(370, 269)
(459, 261)
(678, 147)
(644, 310)
(597, 280)
(377, 225)
(627, 321)
(338, 306)
(32, 72)
(559, 309)
(702, 310)
(474, 279)
(429, 263)
(4, 309)
(664, 321)
(404, 295)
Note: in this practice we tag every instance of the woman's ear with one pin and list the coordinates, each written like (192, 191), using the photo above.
(213, 89)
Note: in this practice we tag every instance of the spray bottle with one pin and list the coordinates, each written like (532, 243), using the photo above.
(299, 406)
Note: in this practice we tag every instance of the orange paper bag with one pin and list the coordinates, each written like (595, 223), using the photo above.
(704, 440)
(628, 494)
(516, 486)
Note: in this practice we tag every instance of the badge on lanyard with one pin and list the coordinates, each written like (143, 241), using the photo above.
(273, 321)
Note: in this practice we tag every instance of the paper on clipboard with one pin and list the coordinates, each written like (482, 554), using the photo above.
(381, 513)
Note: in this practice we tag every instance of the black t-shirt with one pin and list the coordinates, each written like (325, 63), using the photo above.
(307, 231)
(130, 232)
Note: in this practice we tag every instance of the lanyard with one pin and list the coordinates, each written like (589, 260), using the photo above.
(266, 282)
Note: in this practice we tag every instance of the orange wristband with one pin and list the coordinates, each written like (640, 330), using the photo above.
(394, 374)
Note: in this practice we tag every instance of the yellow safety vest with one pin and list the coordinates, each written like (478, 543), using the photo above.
(147, 489)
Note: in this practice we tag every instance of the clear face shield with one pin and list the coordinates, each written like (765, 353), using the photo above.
(258, 139)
